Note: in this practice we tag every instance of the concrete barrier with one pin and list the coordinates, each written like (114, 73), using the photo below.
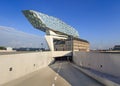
(61, 53)
(14, 66)
(103, 62)
(102, 80)
(108, 63)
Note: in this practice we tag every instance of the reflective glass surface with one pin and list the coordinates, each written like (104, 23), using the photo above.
(43, 22)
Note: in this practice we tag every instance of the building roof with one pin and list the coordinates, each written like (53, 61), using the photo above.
(116, 47)
(80, 40)
(44, 22)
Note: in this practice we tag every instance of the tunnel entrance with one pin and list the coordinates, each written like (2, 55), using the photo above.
(64, 58)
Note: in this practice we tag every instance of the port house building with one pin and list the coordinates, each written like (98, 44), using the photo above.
(59, 35)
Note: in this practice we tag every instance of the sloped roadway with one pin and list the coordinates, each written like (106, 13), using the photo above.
(61, 73)
(72, 75)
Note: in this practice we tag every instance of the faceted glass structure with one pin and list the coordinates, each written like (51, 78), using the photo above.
(44, 22)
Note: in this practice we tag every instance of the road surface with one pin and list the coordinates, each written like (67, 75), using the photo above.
(61, 73)
(72, 75)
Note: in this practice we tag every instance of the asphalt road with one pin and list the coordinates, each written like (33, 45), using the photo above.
(72, 75)
(61, 73)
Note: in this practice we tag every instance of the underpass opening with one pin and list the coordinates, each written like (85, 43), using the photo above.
(64, 58)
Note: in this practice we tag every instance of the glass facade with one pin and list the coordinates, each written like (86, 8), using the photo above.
(44, 22)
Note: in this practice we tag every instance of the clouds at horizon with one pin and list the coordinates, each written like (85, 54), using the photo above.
(11, 37)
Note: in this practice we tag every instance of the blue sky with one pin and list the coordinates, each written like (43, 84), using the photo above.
(97, 21)
(13, 38)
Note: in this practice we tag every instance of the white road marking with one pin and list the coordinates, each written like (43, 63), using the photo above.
(53, 84)
(59, 67)
(55, 78)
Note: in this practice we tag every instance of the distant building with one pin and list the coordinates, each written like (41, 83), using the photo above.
(116, 47)
(74, 44)
(6, 49)
(9, 49)
(80, 45)
(59, 35)
(29, 49)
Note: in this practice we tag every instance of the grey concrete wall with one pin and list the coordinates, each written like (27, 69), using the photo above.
(61, 53)
(103, 62)
(14, 66)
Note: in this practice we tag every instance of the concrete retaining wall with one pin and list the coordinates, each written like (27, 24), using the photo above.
(102, 80)
(14, 66)
(103, 62)
(61, 53)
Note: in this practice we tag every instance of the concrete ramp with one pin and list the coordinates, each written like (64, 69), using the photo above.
(61, 73)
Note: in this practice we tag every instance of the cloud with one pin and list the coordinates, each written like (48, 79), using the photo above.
(11, 37)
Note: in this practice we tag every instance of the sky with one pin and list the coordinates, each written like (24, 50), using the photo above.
(17, 39)
(97, 21)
